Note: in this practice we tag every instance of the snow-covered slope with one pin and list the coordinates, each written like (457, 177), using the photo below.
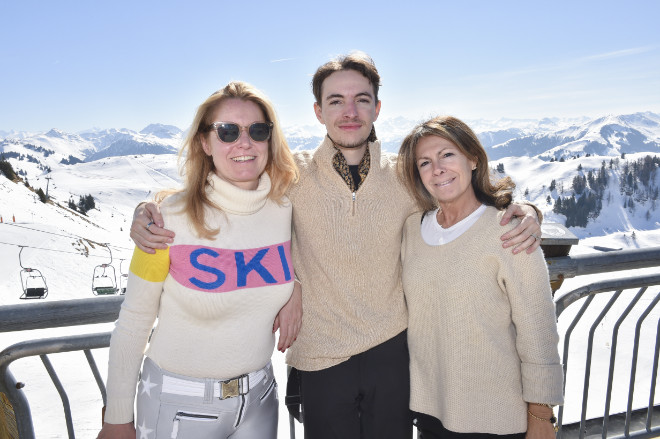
(66, 246)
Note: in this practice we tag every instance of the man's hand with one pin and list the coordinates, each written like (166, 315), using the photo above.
(289, 319)
(527, 234)
(147, 229)
(117, 431)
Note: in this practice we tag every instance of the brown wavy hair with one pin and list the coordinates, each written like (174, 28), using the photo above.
(196, 165)
(489, 191)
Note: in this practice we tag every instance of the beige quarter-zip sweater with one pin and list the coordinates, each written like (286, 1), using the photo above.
(346, 250)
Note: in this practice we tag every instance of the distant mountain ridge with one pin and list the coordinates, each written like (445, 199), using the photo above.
(549, 138)
(605, 136)
(96, 144)
(601, 172)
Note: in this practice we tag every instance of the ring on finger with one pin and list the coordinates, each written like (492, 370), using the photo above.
(536, 238)
(151, 223)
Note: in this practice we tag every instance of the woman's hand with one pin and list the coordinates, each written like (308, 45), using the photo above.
(539, 428)
(117, 431)
(147, 229)
(289, 319)
(527, 234)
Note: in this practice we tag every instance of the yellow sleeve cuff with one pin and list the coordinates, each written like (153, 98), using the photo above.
(151, 267)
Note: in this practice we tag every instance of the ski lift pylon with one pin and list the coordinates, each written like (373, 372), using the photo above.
(33, 282)
(104, 279)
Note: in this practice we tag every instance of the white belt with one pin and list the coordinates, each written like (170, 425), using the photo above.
(222, 388)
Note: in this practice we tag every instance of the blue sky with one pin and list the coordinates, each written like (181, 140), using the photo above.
(75, 65)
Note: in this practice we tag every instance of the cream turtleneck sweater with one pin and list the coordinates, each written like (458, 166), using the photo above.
(215, 299)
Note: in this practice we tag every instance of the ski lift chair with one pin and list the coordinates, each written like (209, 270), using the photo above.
(123, 278)
(104, 279)
(33, 282)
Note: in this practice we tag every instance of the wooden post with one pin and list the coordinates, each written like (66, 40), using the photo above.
(556, 240)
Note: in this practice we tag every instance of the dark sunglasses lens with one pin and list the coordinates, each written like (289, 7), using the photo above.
(228, 132)
(259, 131)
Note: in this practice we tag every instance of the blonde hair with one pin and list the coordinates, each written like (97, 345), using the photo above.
(496, 193)
(196, 164)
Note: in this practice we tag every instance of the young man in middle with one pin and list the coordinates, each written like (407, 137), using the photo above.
(349, 209)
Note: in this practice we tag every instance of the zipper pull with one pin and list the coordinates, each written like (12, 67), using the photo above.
(175, 427)
(353, 204)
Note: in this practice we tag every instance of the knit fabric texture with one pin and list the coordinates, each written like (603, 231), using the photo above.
(482, 329)
(346, 248)
(215, 299)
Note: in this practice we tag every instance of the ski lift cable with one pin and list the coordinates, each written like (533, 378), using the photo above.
(53, 250)
(42, 231)
(67, 236)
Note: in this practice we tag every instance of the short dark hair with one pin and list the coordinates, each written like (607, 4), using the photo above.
(358, 61)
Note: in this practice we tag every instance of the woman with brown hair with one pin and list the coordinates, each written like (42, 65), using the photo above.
(482, 332)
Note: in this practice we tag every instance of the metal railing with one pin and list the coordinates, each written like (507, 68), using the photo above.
(42, 347)
(645, 286)
(106, 309)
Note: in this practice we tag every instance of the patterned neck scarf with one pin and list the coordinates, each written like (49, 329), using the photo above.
(341, 166)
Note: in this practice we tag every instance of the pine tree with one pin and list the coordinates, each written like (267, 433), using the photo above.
(42, 196)
(6, 169)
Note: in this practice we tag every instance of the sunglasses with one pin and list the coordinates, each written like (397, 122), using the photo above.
(229, 132)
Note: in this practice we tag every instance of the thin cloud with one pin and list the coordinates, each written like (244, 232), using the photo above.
(282, 60)
(619, 53)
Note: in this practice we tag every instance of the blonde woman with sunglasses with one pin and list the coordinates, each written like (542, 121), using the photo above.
(216, 291)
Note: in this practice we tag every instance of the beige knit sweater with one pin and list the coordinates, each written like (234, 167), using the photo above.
(482, 331)
(346, 253)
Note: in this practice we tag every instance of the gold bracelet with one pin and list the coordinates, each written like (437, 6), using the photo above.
(552, 420)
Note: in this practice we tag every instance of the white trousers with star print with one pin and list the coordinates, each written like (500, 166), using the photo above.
(192, 408)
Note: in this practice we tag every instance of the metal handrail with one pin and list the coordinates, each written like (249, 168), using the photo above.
(42, 347)
(565, 267)
(106, 309)
(588, 293)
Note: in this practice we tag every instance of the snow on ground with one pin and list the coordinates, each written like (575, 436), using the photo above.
(67, 246)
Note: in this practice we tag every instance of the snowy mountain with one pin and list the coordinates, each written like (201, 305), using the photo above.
(533, 152)
(162, 131)
(57, 147)
(605, 136)
(131, 146)
(67, 246)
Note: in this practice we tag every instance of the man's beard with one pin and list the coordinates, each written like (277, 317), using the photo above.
(350, 145)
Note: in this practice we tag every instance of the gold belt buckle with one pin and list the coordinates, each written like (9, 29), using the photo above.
(232, 388)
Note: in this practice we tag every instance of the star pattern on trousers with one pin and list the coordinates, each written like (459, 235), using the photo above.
(147, 385)
(144, 431)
